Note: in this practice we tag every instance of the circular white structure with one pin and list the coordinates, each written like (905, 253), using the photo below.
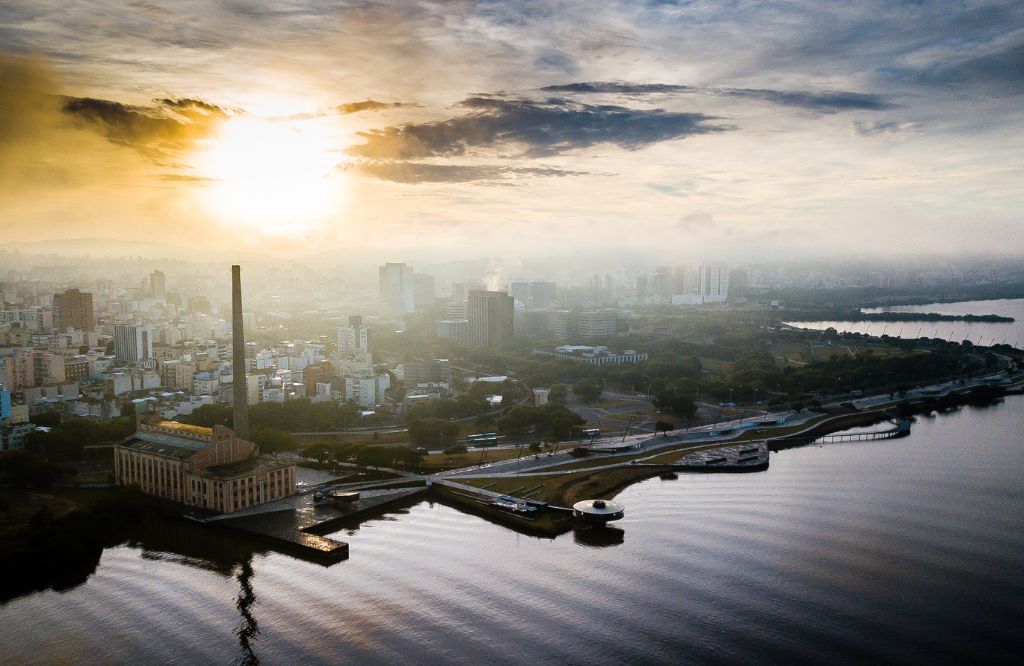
(598, 511)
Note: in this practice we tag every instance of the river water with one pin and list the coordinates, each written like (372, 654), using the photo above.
(1011, 333)
(908, 551)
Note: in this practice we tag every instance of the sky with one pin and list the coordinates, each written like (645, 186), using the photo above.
(449, 129)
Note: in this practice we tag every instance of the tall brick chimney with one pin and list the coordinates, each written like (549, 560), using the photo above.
(240, 388)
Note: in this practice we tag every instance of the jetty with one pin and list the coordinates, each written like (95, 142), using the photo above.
(900, 428)
(297, 525)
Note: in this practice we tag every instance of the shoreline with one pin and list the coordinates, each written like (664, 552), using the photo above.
(829, 425)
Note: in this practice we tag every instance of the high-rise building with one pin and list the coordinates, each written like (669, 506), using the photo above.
(707, 283)
(424, 291)
(688, 280)
(456, 330)
(491, 318)
(353, 337)
(715, 283)
(73, 309)
(132, 343)
(641, 286)
(663, 283)
(17, 371)
(158, 285)
(397, 290)
(536, 295)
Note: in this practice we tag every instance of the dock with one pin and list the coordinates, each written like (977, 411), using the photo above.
(900, 428)
(297, 525)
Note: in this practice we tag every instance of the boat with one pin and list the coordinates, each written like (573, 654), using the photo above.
(515, 505)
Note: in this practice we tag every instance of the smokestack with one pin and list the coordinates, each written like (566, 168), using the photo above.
(241, 393)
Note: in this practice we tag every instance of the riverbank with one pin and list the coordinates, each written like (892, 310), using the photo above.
(608, 481)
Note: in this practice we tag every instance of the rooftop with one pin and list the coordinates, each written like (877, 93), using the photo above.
(164, 446)
(185, 427)
(247, 467)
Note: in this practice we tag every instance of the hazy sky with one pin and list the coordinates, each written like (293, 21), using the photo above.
(463, 129)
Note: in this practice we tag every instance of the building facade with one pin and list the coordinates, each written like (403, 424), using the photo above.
(158, 285)
(73, 309)
(491, 318)
(397, 290)
(353, 337)
(132, 343)
(209, 468)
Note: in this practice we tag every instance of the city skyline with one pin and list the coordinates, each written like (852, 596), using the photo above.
(446, 130)
(538, 332)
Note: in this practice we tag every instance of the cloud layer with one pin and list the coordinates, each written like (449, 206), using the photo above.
(535, 128)
(827, 101)
(839, 123)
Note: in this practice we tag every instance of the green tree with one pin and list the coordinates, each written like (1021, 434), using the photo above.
(589, 390)
(272, 440)
(432, 432)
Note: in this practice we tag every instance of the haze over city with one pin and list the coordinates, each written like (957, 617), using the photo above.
(541, 332)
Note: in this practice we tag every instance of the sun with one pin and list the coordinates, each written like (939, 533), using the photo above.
(271, 176)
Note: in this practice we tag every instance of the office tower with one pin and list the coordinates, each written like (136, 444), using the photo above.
(424, 290)
(663, 283)
(641, 286)
(715, 283)
(688, 280)
(73, 309)
(397, 290)
(239, 389)
(132, 343)
(158, 285)
(520, 291)
(491, 318)
(353, 337)
(535, 295)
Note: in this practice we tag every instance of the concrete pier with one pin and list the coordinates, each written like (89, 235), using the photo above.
(297, 526)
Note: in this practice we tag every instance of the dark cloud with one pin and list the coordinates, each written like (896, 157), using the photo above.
(172, 124)
(189, 105)
(828, 101)
(618, 88)
(537, 128)
(371, 105)
(421, 172)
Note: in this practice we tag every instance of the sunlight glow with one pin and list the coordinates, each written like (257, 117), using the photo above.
(271, 176)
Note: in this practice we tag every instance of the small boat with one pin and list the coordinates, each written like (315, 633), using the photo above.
(339, 497)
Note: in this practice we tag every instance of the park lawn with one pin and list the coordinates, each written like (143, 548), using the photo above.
(509, 485)
(567, 489)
